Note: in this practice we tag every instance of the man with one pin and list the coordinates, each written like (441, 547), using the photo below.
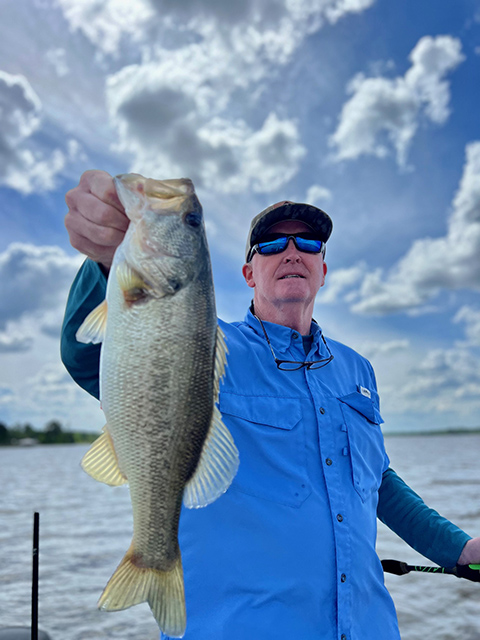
(289, 551)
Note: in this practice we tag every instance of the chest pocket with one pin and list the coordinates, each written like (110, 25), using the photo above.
(362, 419)
(270, 438)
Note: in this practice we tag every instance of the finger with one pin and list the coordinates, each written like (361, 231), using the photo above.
(101, 185)
(95, 252)
(97, 211)
(98, 234)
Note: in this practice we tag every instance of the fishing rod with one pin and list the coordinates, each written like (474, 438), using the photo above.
(32, 632)
(36, 528)
(467, 571)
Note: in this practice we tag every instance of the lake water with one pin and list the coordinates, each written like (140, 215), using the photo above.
(85, 528)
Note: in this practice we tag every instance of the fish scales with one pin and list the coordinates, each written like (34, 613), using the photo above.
(161, 360)
(177, 430)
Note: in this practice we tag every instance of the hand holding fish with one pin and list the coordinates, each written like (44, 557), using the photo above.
(96, 221)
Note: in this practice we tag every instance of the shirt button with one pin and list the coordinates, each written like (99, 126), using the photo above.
(328, 462)
(340, 517)
(295, 335)
(343, 637)
(322, 410)
(343, 577)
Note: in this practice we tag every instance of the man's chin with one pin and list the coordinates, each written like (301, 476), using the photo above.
(295, 296)
(293, 288)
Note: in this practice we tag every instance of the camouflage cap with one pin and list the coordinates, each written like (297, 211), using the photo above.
(286, 210)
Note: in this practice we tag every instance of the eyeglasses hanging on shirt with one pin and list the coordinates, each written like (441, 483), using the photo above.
(293, 365)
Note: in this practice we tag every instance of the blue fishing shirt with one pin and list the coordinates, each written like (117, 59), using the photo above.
(288, 552)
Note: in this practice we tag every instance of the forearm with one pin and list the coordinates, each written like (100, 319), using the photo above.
(403, 511)
(82, 360)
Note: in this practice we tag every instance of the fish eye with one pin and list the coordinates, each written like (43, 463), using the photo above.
(194, 218)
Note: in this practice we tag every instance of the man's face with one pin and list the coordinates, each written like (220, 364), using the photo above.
(290, 276)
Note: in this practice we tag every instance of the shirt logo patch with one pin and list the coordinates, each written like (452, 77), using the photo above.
(364, 392)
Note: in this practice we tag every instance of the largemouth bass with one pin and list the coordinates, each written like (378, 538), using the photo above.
(161, 362)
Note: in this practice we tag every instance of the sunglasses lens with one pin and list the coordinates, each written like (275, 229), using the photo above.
(273, 246)
(308, 245)
(277, 245)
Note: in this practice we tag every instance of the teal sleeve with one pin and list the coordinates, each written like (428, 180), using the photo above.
(82, 360)
(405, 513)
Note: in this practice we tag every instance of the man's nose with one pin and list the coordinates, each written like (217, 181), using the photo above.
(291, 252)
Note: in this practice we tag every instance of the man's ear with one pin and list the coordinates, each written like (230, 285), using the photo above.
(248, 274)
(324, 267)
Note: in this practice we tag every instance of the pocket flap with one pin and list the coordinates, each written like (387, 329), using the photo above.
(366, 402)
(282, 413)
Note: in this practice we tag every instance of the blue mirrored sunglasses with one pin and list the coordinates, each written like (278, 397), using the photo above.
(304, 242)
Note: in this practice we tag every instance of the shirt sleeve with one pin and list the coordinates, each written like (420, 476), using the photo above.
(405, 513)
(82, 360)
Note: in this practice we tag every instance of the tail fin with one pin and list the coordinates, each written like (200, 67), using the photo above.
(163, 590)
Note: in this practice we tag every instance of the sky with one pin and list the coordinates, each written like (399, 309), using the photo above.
(368, 109)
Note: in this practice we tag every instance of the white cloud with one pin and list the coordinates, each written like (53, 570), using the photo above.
(445, 380)
(51, 394)
(52, 386)
(20, 333)
(271, 155)
(110, 25)
(20, 107)
(57, 58)
(432, 59)
(317, 195)
(340, 281)
(384, 113)
(6, 395)
(22, 166)
(13, 341)
(230, 13)
(172, 110)
(431, 264)
(471, 318)
(336, 10)
(440, 380)
(50, 322)
(33, 280)
(373, 350)
(107, 22)
(169, 125)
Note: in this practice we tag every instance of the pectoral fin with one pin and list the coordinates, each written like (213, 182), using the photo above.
(101, 463)
(93, 327)
(216, 468)
(133, 286)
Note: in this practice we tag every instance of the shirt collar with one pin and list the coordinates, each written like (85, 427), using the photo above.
(282, 338)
